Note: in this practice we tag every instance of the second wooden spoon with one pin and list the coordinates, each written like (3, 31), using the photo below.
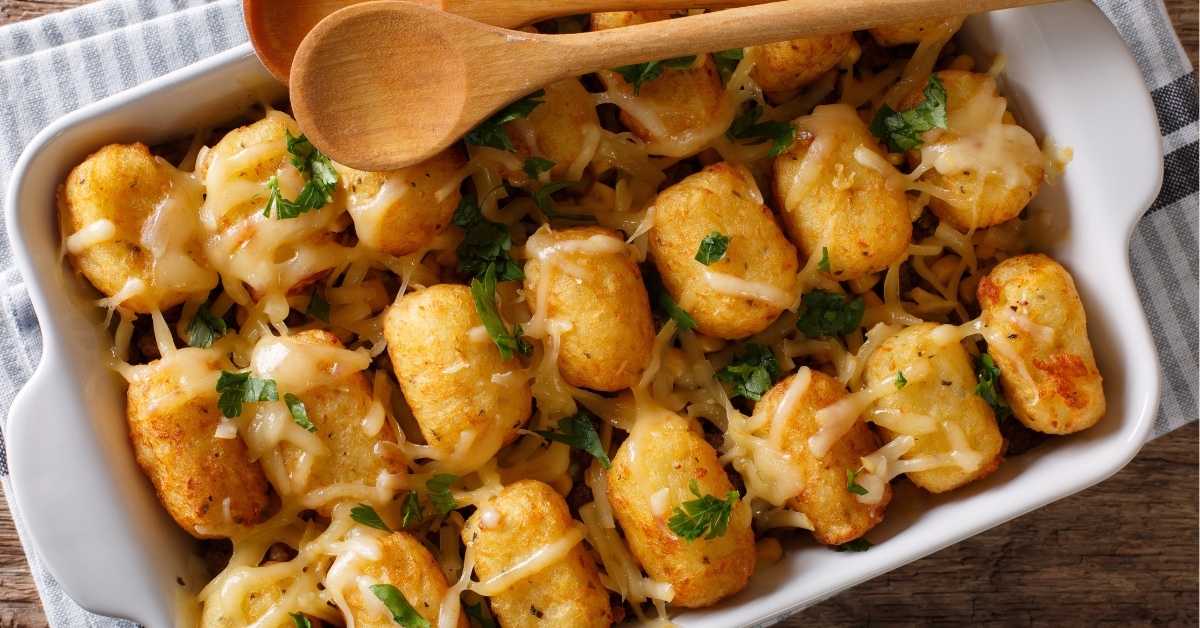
(383, 85)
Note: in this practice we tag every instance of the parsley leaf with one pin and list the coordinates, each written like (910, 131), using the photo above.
(659, 296)
(301, 620)
(824, 263)
(577, 431)
(542, 198)
(299, 412)
(706, 516)
(204, 328)
(852, 485)
(239, 388)
(535, 166)
(313, 166)
(402, 612)
(410, 510)
(486, 245)
(746, 127)
(828, 313)
(901, 382)
(857, 545)
(727, 60)
(755, 372)
(491, 133)
(712, 248)
(439, 492)
(475, 612)
(989, 386)
(484, 294)
(641, 73)
(318, 307)
(367, 516)
(902, 129)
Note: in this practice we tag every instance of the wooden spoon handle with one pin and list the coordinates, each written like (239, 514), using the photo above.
(509, 14)
(750, 26)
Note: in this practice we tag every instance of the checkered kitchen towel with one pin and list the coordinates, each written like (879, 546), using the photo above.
(58, 63)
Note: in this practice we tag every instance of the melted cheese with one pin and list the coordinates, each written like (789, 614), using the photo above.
(838, 418)
(92, 234)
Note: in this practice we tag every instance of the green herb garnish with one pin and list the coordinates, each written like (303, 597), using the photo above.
(318, 307)
(491, 133)
(239, 388)
(747, 128)
(542, 198)
(301, 620)
(852, 485)
(315, 167)
(754, 371)
(483, 292)
(828, 313)
(475, 612)
(712, 248)
(299, 412)
(486, 245)
(410, 509)
(823, 265)
(402, 612)
(902, 130)
(901, 382)
(706, 516)
(204, 328)
(578, 432)
(535, 166)
(439, 492)
(660, 297)
(857, 545)
(367, 516)
(641, 73)
(989, 386)
(727, 60)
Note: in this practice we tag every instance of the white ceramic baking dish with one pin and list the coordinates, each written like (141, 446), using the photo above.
(93, 516)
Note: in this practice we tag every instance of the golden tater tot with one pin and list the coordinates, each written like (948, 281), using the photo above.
(651, 476)
(129, 221)
(400, 211)
(984, 167)
(1031, 300)
(909, 32)
(592, 281)
(445, 361)
(208, 483)
(249, 595)
(791, 64)
(339, 410)
(397, 559)
(836, 514)
(742, 293)
(954, 430)
(560, 586)
(839, 193)
(563, 129)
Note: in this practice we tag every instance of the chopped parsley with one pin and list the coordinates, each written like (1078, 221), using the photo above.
(535, 166)
(727, 60)
(491, 133)
(712, 248)
(204, 328)
(320, 175)
(578, 432)
(486, 245)
(823, 265)
(902, 130)
(239, 388)
(857, 545)
(475, 612)
(402, 612)
(299, 412)
(367, 516)
(754, 372)
(705, 516)
(542, 198)
(828, 313)
(660, 297)
(301, 620)
(483, 292)
(410, 509)
(318, 307)
(439, 492)
(901, 382)
(639, 74)
(989, 386)
(747, 128)
(852, 485)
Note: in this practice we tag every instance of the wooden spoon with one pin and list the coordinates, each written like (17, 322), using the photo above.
(277, 27)
(383, 85)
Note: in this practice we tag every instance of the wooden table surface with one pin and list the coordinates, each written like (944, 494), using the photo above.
(1123, 552)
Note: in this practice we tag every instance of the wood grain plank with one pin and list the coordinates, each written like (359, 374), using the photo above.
(1120, 553)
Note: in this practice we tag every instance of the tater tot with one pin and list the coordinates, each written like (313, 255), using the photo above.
(678, 112)
(836, 514)
(1031, 300)
(650, 478)
(560, 586)
(129, 220)
(248, 595)
(755, 281)
(339, 410)
(962, 443)
(563, 129)
(909, 32)
(444, 361)
(839, 193)
(592, 281)
(984, 167)
(791, 64)
(400, 211)
(208, 484)
(397, 559)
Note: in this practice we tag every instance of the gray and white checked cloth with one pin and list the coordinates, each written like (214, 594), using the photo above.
(55, 64)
